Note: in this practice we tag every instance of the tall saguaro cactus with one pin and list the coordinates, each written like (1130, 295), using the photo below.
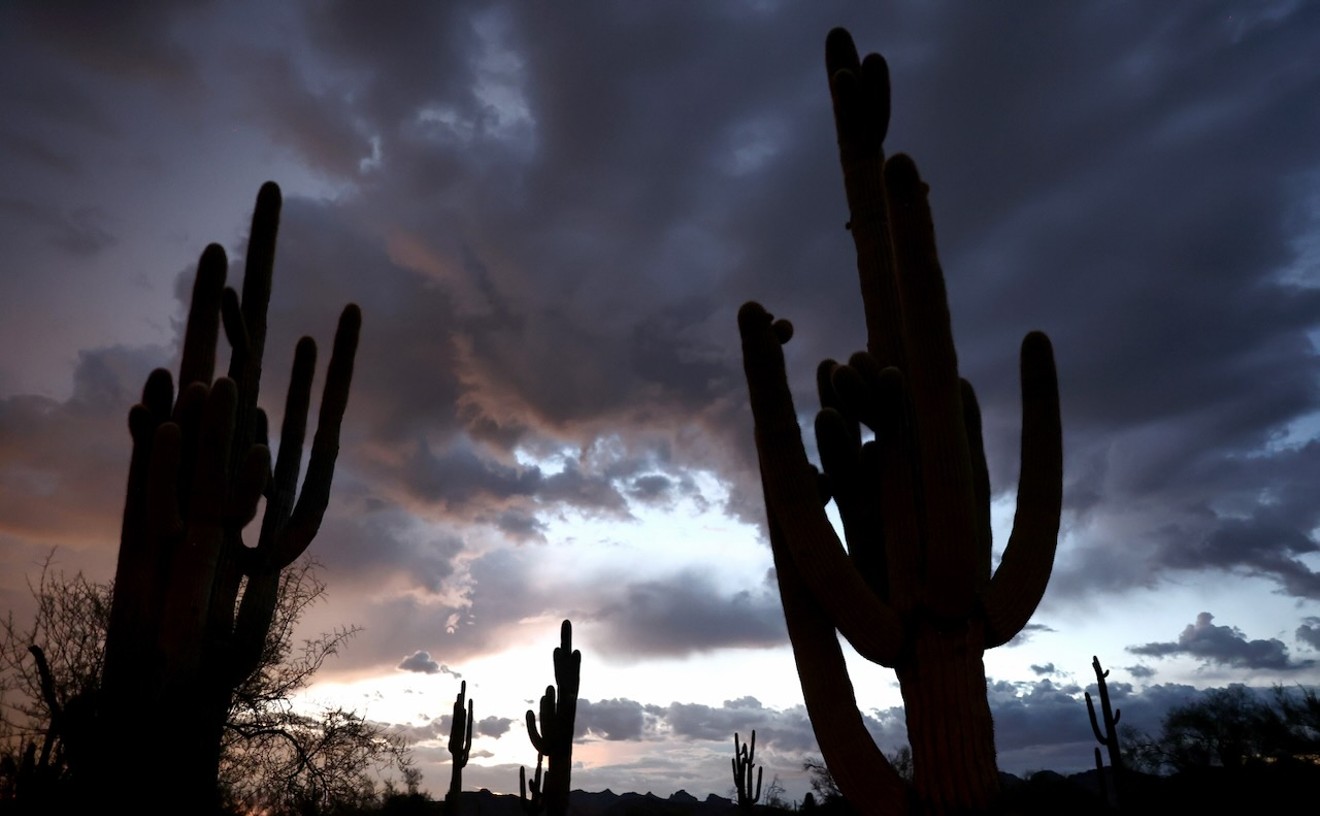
(460, 747)
(554, 739)
(1107, 737)
(914, 590)
(193, 603)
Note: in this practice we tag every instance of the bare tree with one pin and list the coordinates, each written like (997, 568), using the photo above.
(272, 755)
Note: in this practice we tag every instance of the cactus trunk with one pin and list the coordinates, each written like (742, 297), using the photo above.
(948, 721)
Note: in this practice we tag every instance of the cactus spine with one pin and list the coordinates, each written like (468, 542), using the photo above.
(192, 602)
(914, 590)
(1108, 737)
(460, 747)
(743, 762)
(554, 739)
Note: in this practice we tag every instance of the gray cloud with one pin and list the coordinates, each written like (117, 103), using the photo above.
(616, 719)
(685, 614)
(1225, 646)
(1309, 632)
(421, 662)
(493, 726)
(1027, 632)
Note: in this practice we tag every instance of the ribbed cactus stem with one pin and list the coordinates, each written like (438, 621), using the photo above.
(913, 588)
(554, 737)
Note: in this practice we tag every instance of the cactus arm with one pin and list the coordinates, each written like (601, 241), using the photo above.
(284, 481)
(258, 271)
(1019, 582)
(792, 497)
(860, 95)
(203, 327)
(1095, 724)
(851, 755)
(541, 741)
(315, 497)
(980, 479)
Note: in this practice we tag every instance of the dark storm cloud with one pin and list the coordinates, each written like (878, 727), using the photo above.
(1048, 668)
(81, 231)
(686, 614)
(53, 451)
(1309, 632)
(1140, 671)
(1225, 646)
(135, 41)
(786, 730)
(616, 719)
(441, 727)
(657, 168)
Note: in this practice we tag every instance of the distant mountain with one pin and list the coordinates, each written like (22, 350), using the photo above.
(603, 803)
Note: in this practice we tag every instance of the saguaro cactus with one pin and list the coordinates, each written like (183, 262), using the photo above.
(914, 590)
(460, 747)
(192, 602)
(554, 739)
(743, 762)
(1108, 737)
(531, 805)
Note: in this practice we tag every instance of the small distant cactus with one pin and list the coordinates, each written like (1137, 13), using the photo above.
(460, 747)
(743, 761)
(554, 739)
(1108, 737)
(531, 805)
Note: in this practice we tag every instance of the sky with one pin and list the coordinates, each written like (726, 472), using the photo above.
(550, 214)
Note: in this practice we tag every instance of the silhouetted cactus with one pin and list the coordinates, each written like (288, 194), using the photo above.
(743, 761)
(192, 602)
(558, 715)
(460, 747)
(533, 804)
(1108, 737)
(914, 591)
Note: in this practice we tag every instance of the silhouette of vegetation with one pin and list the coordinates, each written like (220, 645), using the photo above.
(271, 756)
(1232, 728)
(529, 793)
(193, 604)
(914, 591)
(554, 738)
(1108, 737)
(460, 747)
(743, 762)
